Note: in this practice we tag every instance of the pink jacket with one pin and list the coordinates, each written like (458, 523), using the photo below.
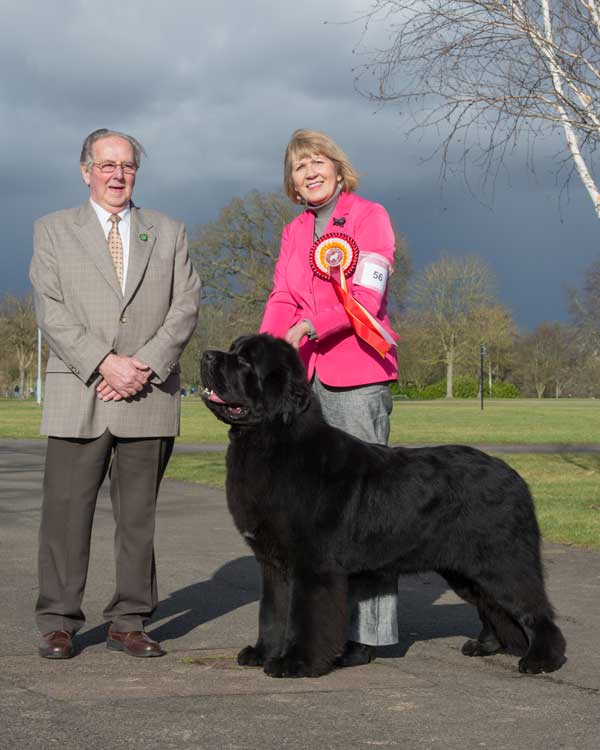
(340, 358)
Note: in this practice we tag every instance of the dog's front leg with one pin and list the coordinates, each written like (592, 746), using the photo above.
(272, 618)
(316, 625)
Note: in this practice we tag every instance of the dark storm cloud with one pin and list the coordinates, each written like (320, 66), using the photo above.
(213, 92)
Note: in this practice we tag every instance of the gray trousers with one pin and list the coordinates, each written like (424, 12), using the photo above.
(75, 470)
(364, 412)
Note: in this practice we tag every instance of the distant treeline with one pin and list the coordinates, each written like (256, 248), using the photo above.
(444, 316)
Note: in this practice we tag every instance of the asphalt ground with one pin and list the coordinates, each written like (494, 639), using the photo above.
(417, 695)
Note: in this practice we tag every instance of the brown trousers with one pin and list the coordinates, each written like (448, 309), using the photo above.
(75, 470)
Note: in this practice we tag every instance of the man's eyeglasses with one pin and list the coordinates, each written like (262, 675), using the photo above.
(108, 167)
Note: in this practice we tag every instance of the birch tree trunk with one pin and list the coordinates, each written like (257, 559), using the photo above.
(486, 74)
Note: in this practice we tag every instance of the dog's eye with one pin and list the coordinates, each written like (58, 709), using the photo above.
(243, 362)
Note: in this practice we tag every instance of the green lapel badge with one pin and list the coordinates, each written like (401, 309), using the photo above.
(144, 237)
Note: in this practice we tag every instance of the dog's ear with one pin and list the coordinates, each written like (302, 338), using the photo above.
(286, 393)
(299, 400)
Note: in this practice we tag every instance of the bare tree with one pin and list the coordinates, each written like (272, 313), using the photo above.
(547, 358)
(419, 353)
(447, 294)
(493, 327)
(487, 72)
(563, 356)
(18, 334)
(586, 378)
(235, 255)
(533, 371)
(398, 284)
(585, 310)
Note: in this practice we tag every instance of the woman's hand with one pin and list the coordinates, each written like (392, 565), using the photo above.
(296, 333)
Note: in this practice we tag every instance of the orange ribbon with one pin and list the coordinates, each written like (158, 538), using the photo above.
(334, 257)
(363, 323)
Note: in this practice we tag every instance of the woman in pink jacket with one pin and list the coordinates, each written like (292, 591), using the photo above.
(329, 301)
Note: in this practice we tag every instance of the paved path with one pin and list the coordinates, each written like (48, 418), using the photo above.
(40, 447)
(488, 448)
(418, 695)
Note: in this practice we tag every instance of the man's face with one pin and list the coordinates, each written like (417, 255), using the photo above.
(111, 191)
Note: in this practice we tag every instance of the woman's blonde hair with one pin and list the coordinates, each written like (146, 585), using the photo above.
(305, 143)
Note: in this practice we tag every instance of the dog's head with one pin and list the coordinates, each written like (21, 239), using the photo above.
(260, 379)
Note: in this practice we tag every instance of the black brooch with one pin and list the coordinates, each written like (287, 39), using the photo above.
(339, 222)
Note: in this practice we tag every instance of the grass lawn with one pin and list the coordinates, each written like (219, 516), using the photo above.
(501, 421)
(429, 422)
(19, 419)
(520, 421)
(203, 468)
(566, 489)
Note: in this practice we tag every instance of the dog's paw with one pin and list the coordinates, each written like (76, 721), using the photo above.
(250, 657)
(285, 666)
(535, 665)
(290, 666)
(474, 647)
(355, 654)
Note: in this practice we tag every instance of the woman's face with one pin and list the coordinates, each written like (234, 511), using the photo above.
(315, 178)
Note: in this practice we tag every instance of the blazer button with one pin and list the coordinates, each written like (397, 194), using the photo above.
(123, 319)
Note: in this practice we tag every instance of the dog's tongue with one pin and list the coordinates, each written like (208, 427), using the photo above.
(217, 399)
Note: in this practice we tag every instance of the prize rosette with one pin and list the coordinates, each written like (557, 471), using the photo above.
(333, 250)
(333, 258)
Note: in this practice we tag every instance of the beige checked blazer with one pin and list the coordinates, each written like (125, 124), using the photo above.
(84, 316)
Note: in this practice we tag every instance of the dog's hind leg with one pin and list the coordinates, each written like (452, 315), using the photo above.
(546, 645)
(521, 617)
(529, 613)
(316, 628)
(271, 619)
(487, 642)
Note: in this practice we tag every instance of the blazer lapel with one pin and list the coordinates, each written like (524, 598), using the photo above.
(307, 231)
(95, 245)
(141, 243)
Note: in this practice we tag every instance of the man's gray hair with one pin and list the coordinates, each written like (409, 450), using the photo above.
(87, 158)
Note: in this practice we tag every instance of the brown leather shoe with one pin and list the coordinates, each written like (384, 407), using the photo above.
(58, 644)
(133, 643)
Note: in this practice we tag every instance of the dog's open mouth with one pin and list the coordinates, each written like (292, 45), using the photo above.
(234, 410)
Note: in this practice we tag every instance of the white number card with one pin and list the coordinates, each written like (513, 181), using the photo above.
(372, 271)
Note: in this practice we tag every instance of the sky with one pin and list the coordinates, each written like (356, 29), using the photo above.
(213, 91)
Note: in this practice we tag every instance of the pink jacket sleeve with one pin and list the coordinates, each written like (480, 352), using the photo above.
(374, 234)
(281, 311)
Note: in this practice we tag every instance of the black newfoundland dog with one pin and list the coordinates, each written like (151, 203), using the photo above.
(318, 506)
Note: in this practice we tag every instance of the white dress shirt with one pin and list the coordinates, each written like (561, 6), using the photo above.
(123, 227)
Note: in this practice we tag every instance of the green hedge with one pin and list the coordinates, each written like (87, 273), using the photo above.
(504, 390)
(463, 387)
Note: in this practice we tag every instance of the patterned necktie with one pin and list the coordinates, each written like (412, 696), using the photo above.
(115, 245)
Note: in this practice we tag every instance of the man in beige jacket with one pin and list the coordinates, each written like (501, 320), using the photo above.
(117, 300)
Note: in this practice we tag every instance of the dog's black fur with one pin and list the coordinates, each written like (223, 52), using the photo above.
(318, 506)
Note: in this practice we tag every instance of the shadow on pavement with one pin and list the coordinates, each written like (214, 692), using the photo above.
(237, 583)
(422, 617)
(232, 586)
